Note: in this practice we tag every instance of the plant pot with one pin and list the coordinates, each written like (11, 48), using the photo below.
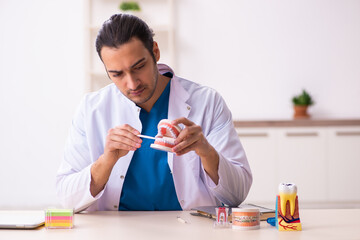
(300, 111)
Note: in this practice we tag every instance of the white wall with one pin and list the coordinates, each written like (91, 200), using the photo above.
(41, 83)
(259, 53)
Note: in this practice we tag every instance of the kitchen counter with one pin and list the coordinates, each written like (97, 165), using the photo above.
(298, 123)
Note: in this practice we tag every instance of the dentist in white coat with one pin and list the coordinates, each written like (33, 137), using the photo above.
(209, 165)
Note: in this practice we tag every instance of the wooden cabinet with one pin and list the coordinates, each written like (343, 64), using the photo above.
(158, 14)
(322, 160)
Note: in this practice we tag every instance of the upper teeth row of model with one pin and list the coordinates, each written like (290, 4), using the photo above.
(166, 140)
(170, 130)
(287, 192)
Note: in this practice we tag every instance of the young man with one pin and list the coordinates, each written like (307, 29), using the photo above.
(106, 166)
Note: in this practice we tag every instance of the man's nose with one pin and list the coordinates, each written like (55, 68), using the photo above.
(132, 82)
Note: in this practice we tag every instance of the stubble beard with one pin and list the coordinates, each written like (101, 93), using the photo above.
(141, 101)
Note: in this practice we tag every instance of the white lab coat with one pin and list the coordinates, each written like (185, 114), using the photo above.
(107, 108)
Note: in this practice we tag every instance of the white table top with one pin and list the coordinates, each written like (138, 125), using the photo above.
(316, 224)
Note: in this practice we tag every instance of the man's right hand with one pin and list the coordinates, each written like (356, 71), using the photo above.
(119, 141)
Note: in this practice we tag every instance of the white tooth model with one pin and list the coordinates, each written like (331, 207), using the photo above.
(287, 219)
(287, 192)
(167, 133)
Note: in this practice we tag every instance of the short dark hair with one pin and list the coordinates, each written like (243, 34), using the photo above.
(120, 29)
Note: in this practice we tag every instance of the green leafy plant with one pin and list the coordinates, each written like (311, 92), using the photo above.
(129, 6)
(304, 99)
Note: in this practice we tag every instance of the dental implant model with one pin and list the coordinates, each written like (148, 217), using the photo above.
(287, 208)
(167, 133)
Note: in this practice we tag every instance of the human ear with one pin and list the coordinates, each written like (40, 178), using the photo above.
(156, 51)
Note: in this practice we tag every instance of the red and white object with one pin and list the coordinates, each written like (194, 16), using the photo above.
(167, 133)
(245, 218)
(166, 129)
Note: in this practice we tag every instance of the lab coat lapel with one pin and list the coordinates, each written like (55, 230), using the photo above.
(178, 107)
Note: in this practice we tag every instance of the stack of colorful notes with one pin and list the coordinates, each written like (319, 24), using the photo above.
(59, 218)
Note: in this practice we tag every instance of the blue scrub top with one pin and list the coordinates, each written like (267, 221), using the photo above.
(149, 184)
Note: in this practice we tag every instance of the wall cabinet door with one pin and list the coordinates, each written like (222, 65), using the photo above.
(324, 162)
(344, 164)
(301, 159)
(260, 148)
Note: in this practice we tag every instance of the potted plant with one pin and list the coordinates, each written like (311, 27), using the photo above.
(301, 103)
(129, 7)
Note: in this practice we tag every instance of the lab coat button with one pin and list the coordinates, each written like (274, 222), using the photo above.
(115, 206)
(122, 177)
(182, 202)
(188, 107)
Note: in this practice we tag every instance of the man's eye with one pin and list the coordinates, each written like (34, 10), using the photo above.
(139, 67)
(116, 75)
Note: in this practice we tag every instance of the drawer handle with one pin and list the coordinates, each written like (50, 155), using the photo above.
(347, 133)
(253, 135)
(304, 134)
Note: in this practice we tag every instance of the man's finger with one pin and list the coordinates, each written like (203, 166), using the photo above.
(182, 120)
(128, 128)
(125, 140)
(188, 132)
(118, 145)
(184, 150)
(186, 141)
(127, 131)
(122, 135)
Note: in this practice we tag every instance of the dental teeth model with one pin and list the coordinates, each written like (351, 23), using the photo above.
(167, 133)
(287, 208)
(287, 192)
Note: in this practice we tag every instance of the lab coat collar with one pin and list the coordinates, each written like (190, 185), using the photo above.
(178, 106)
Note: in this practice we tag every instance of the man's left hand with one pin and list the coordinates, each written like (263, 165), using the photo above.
(191, 138)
